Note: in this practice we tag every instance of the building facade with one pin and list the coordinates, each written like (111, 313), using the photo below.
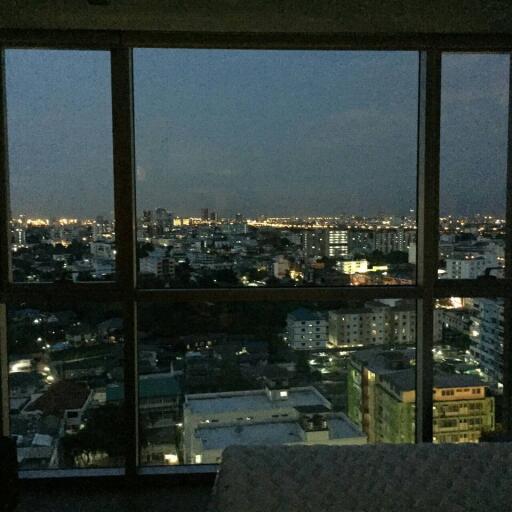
(306, 329)
(381, 400)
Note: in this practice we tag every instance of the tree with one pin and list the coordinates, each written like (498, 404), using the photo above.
(377, 258)
(104, 432)
(302, 364)
(397, 257)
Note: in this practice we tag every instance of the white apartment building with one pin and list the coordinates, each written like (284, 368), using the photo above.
(465, 267)
(377, 323)
(102, 250)
(306, 329)
(354, 266)
(158, 263)
(486, 334)
(336, 243)
(325, 242)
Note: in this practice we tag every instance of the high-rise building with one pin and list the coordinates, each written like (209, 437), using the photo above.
(162, 222)
(19, 237)
(381, 400)
(313, 243)
(486, 334)
(360, 241)
(389, 240)
(205, 214)
(325, 242)
(336, 243)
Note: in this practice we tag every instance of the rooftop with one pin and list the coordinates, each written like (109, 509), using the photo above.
(150, 386)
(218, 403)
(385, 361)
(269, 433)
(305, 315)
(404, 380)
(60, 397)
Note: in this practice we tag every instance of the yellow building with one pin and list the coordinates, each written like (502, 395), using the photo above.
(381, 400)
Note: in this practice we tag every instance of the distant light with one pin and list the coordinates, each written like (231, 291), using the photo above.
(199, 459)
(172, 458)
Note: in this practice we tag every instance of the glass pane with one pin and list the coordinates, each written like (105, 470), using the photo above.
(275, 168)
(216, 374)
(474, 124)
(468, 369)
(59, 121)
(62, 360)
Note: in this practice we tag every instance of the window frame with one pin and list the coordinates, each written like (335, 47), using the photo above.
(125, 291)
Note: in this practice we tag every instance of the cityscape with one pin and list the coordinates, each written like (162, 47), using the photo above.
(253, 169)
(215, 374)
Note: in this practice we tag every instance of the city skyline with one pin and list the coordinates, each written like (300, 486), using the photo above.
(274, 133)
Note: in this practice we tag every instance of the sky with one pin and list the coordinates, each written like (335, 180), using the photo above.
(284, 133)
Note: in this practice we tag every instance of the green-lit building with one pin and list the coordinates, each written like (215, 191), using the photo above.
(381, 400)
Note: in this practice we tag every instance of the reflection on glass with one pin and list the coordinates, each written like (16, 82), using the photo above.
(474, 134)
(59, 121)
(212, 375)
(275, 168)
(468, 369)
(62, 361)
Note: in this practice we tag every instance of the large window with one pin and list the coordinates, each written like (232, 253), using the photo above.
(63, 360)
(474, 130)
(60, 161)
(273, 168)
(201, 248)
(468, 369)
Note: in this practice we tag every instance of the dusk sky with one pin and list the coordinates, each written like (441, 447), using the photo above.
(273, 133)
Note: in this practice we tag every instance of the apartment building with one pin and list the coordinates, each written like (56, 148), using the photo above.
(381, 400)
(307, 329)
(486, 335)
(377, 323)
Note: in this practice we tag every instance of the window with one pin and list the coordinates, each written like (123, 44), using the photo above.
(60, 145)
(459, 360)
(211, 263)
(474, 124)
(239, 174)
(66, 386)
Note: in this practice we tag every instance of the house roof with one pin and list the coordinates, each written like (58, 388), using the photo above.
(305, 315)
(59, 397)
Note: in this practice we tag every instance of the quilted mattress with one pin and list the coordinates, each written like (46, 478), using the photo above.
(370, 478)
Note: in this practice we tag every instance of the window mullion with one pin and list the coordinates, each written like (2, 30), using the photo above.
(507, 313)
(428, 221)
(5, 256)
(124, 194)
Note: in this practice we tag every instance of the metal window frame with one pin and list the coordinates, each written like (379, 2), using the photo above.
(125, 291)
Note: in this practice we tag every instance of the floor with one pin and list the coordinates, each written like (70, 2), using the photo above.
(98, 497)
